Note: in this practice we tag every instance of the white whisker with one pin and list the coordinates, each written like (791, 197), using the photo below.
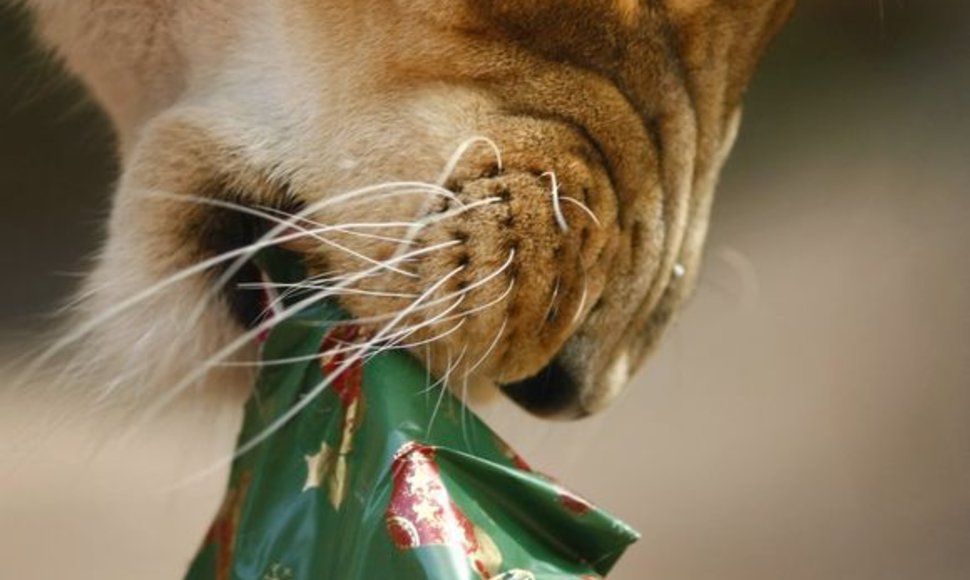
(433, 339)
(583, 298)
(428, 366)
(462, 150)
(448, 368)
(305, 286)
(556, 205)
(377, 237)
(491, 348)
(582, 206)
(444, 380)
(288, 224)
(487, 305)
(552, 301)
(464, 410)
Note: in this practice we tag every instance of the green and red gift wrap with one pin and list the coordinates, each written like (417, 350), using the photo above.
(385, 475)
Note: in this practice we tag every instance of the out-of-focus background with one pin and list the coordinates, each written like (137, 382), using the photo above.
(807, 418)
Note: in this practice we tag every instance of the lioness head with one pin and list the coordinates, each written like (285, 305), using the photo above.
(517, 190)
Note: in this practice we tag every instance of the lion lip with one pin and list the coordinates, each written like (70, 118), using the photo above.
(552, 393)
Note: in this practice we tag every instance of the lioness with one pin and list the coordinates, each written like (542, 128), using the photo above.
(527, 182)
(516, 190)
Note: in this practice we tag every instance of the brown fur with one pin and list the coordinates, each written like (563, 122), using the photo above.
(631, 105)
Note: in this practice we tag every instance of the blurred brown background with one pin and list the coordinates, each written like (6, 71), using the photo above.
(809, 416)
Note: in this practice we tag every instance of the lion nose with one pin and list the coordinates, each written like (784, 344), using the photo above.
(553, 393)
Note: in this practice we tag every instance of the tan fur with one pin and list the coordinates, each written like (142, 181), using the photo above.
(632, 106)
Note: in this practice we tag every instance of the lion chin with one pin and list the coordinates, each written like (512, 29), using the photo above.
(517, 191)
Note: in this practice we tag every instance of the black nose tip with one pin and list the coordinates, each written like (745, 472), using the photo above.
(552, 393)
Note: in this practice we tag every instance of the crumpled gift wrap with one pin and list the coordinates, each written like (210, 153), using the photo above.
(386, 476)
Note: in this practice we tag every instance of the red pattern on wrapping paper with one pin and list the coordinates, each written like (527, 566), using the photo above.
(345, 371)
(422, 513)
(573, 502)
(347, 384)
(578, 505)
(222, 533)
(512, 455)
(419, 498)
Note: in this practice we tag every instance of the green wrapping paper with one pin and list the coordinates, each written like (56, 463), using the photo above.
(385, 475)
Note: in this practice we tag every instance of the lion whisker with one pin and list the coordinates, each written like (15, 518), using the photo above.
(444, 385)
(289, 225)
(304, 286)
(433, 339)
(556, 202)
(487, 305)
(491, 348)
(460, 152)
(583, 297)
(552, 302)
(582, 206)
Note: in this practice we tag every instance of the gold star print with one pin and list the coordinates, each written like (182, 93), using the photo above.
(426, 511)
(317, 467)
(278, 572)
(421, 479)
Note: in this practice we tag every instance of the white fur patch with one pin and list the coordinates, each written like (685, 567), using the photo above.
(614, 380)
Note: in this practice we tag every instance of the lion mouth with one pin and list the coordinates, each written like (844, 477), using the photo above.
(493, 274)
